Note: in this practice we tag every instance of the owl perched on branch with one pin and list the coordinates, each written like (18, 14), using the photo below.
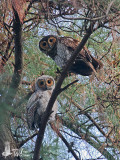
(60, 50)
(38, 101)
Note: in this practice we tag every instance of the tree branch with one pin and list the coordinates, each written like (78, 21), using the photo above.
(88, 138)
(26, 140)
(62, 89)
(64, 140)
(56, 92)
(8, 99)
(90, 118)
(17, 28)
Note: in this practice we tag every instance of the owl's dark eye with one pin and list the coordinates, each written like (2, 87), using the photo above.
(51, 40)
(49, 82)
(44, 44)
(40, 83)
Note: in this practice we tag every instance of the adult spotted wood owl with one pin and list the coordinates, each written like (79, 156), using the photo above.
(60, 50)
(38, 101)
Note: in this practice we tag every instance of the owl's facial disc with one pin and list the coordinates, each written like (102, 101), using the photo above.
(45, 84)
(47, 44)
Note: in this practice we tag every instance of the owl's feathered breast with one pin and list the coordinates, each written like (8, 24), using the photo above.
(39, 97)
(65, 47)
(71, 44)
(36, 106)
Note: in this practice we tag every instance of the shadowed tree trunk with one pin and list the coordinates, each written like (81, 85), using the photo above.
(5, 129)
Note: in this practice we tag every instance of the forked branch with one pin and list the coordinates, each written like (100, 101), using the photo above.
(56, 92)
(64, 140)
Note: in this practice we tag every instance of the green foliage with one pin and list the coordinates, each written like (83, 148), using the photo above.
(35, 62)
(86, 107)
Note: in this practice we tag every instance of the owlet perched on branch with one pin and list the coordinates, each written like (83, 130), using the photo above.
(60, 50)
(38, 101)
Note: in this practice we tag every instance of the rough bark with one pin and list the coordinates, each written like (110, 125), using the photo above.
(56, 92)
(5, 128)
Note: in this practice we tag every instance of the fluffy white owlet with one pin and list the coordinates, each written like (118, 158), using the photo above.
(60, 50)
(38, 101)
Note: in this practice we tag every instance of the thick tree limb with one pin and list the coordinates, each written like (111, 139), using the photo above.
(18, 66)
(5, 132)
(56, 92)
(17, 28)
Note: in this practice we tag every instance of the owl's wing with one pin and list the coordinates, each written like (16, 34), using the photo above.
(72, 44)
(88, 58)
(69, 42)
(85, 64)
(54, 111)
(32, 106)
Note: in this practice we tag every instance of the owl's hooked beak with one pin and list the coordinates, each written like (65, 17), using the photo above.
(48, 49)
(50, 46)
(46, 87)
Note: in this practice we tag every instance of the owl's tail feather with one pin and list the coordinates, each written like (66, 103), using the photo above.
(92, 67)
(96, 70)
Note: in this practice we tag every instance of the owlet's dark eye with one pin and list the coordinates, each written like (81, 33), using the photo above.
(49, 82)
(40, 83)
